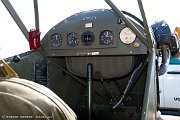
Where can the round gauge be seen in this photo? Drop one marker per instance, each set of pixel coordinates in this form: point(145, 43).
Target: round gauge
point(127, 36)
point(72, 39)
point(56, 40)
point(87, 38)
point(106, 37)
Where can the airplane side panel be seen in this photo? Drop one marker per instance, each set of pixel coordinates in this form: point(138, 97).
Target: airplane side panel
point(64, 85)
point(25, 67)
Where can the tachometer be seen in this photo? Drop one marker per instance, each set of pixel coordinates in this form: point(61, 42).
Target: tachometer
point(56, 40)
point(106, 37)
point(127, 36)
point(72, 39)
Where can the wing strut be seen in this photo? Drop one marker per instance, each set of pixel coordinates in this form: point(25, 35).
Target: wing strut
point(16, 18)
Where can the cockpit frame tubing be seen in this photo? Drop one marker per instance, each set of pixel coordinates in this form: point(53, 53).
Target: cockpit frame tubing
point(149, 109)
point(16, 18)
point(36, 14)
point(149, 37)
point(142, 38)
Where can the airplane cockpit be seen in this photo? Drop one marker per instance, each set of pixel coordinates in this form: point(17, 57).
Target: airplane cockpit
point(98, 41)
point(99, 37)
point(102, 63)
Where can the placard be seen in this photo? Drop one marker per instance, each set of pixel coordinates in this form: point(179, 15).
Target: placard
point(41, 73)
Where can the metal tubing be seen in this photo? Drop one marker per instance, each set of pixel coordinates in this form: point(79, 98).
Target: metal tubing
point(150, 39)
point(137, 76)
point(128, 23)
point(16, 18)
point(77, 79)
point(149, 103)
point(36, 14)
point(113, 97)
point(89, 79)
point(133, 80)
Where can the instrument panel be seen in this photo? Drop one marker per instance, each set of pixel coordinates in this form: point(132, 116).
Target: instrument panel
point(95, 32)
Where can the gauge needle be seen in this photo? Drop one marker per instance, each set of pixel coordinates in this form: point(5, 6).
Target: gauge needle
point(127, 38)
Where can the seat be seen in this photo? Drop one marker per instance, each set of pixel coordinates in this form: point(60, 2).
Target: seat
point(22, 97)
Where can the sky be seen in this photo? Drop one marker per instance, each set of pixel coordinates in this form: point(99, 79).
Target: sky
point(51, 12)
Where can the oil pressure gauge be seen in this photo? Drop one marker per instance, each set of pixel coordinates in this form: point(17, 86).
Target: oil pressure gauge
point(106, 37)
point(127, 36)
point(56, 40)
point(72, 39)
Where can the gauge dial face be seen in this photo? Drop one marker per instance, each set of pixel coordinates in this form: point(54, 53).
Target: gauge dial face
point(56, 40)
point(72, 39)
point(106, 37)
point(127, 36)
point(87, 38)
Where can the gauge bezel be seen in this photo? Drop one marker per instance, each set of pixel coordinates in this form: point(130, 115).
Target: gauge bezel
point(76, 38)
point(104, 42)
point(57, 41)
point(130, 36)
point(90, 35)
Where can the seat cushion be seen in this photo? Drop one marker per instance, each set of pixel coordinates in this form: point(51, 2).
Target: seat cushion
point(35, 96)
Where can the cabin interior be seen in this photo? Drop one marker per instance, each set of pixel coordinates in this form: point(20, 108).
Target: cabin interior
point(97, 62)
